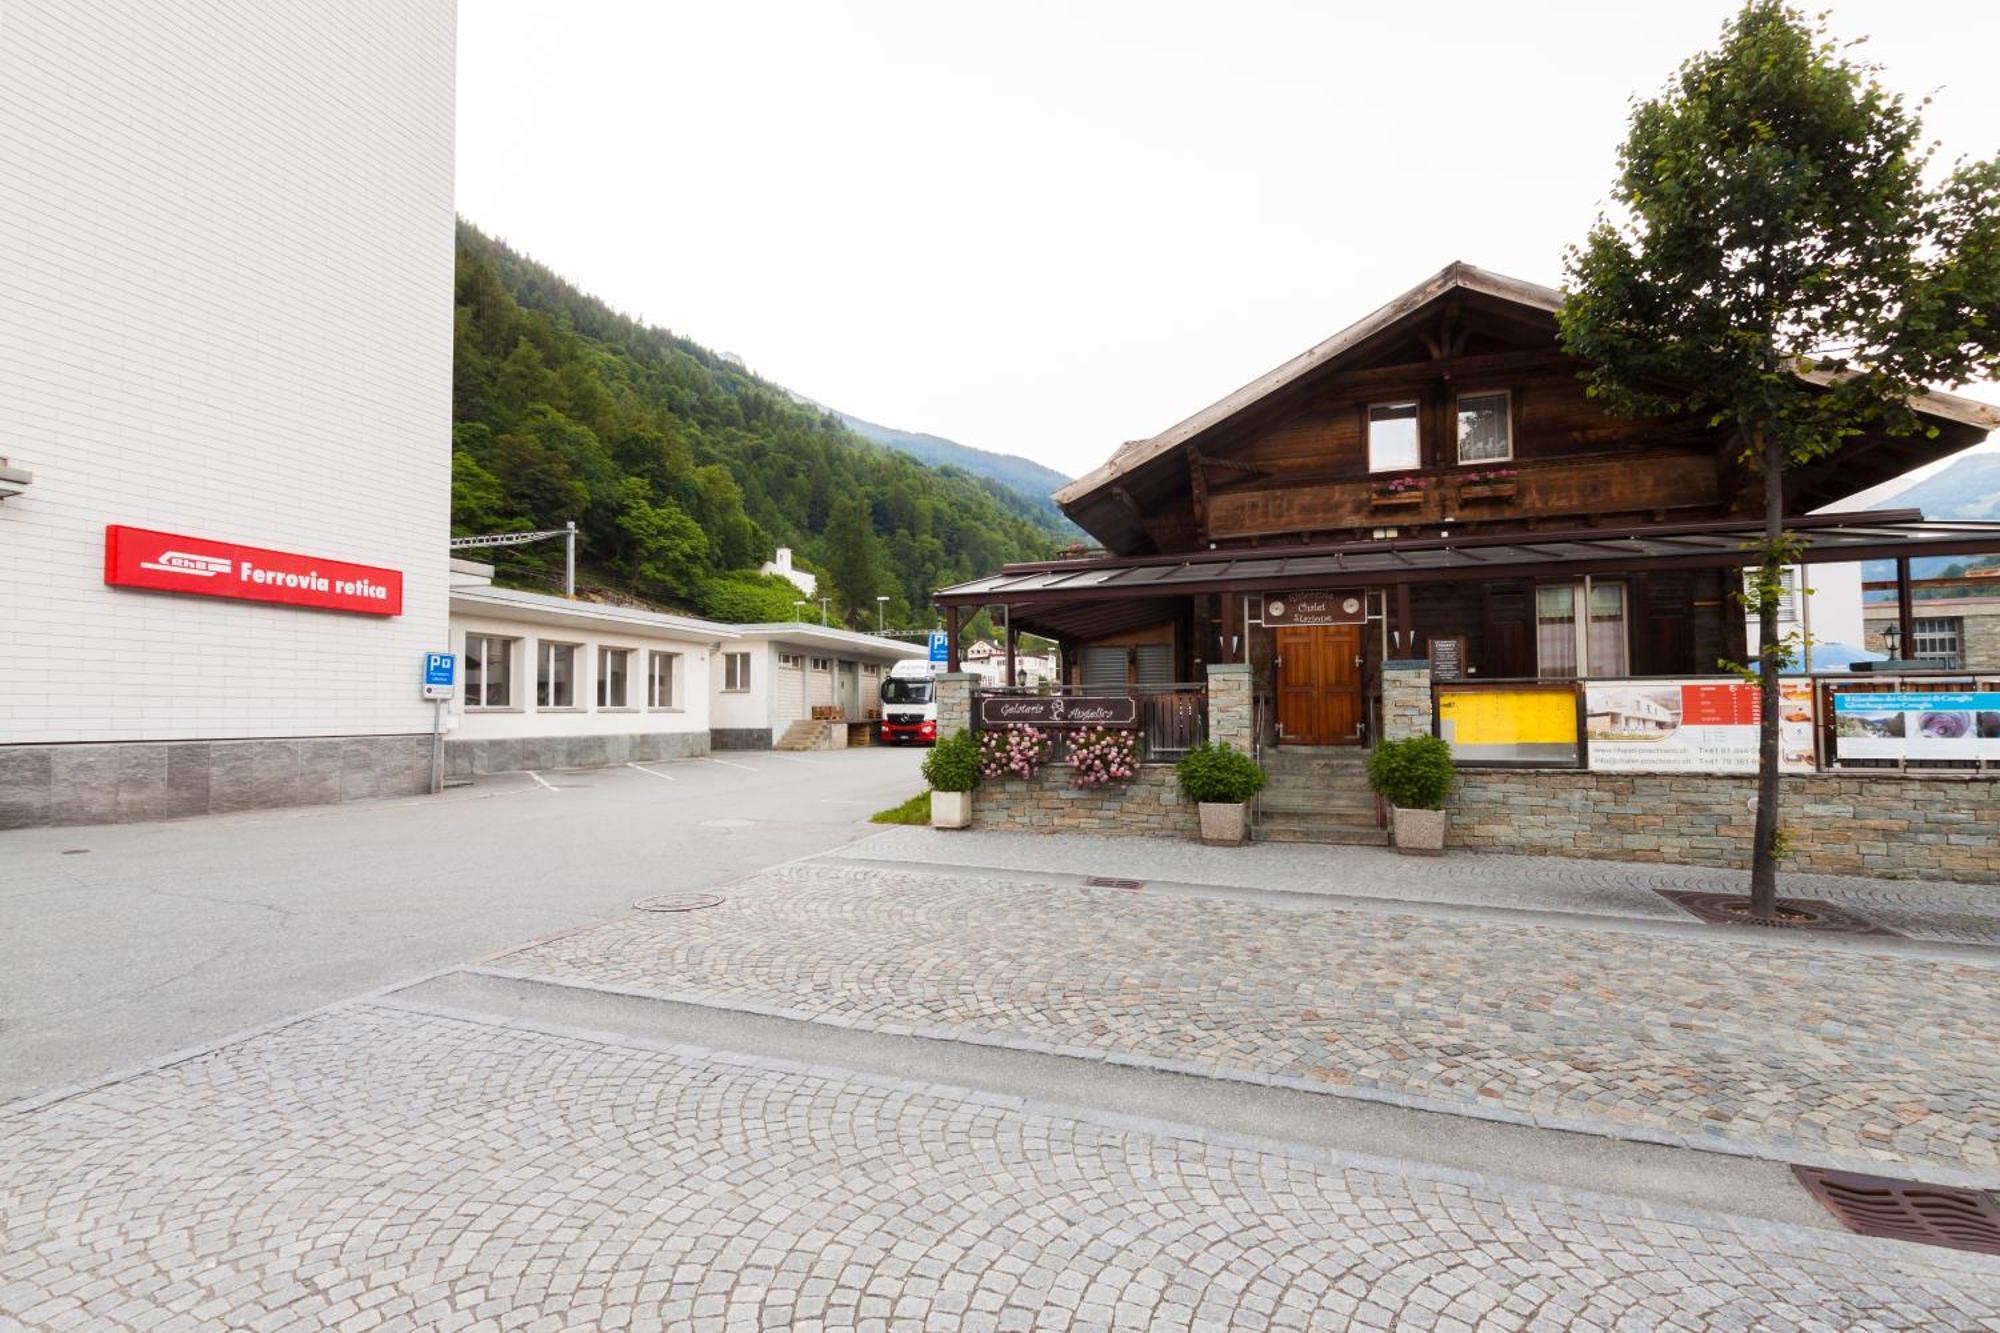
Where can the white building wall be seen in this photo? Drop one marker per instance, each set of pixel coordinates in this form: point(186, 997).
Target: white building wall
point(743, 709)
point(524, 718)
point(226, 242)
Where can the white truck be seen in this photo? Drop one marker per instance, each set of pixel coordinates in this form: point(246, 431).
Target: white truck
point(909, 704)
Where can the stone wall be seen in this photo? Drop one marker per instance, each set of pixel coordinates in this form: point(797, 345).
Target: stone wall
point(1840, 823)
point(511, 754)
point(1229, 712)
point(954, 702)
point(739, 738)
point(118, 782)
point(1148, 805)
point(1406, 699)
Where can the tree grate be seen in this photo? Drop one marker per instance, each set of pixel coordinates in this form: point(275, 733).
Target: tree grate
point(1960, 1219)
point(1109, 882)
point(1811, 914)
point(679, 902)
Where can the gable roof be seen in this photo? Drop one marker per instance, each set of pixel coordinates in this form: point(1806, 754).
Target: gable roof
point(1456, 276)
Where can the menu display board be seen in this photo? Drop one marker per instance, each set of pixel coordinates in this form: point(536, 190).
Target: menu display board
point(1524, 724)
point(1963, 725)
point(1448, 659)
point(1693, 726)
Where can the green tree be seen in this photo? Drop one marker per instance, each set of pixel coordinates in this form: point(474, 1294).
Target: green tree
point(748, 598)
point(1780, 266)
point(665, 550)
point(851, 556)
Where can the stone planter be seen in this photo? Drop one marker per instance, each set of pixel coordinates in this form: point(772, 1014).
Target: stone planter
point(1223, 825)
point(951, 809)
point(1417, 832)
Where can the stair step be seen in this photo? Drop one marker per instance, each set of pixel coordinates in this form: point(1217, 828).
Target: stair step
point(1359, 805)
point(1348, 835)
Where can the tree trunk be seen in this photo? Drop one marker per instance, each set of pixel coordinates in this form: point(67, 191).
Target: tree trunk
point(1770, 660)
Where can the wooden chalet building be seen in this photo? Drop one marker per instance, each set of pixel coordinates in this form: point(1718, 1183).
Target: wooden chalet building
point(1433, 482)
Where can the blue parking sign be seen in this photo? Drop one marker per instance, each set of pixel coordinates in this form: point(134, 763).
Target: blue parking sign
point(940, 646)
point(440, 674)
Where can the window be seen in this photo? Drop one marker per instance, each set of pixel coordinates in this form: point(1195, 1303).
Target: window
point(822, 664)
point(792, 660)
point(1484, 432)
point(871, 668)
point(1392, 437)
point(1937, 642)
point(1571, 640)
point(613, 666)
point(735, 671)
point(660, 680)
point(555, 675)
point(488, 675)
point(904, 690)
point(1788, 599)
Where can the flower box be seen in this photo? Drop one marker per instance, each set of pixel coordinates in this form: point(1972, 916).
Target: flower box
point(1490, 490)
point(1396, 499)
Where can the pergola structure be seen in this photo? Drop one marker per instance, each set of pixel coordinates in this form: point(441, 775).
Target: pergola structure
point(1087, 598)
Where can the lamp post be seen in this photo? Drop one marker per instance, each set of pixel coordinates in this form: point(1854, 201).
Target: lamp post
point(796, 604)
point(822, 609)
point(1892, 639)
point(881, 612)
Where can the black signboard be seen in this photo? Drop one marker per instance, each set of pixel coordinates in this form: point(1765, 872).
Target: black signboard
point(1315, 608)
point(1448, 659)
point(1056, 710)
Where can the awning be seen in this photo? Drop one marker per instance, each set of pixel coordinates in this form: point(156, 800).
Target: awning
point(1722, 544)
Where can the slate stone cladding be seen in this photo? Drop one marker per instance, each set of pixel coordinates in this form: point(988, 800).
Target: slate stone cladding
point(1840, 823)
point(513, 753)
point(1148, 805)
point(118, 782)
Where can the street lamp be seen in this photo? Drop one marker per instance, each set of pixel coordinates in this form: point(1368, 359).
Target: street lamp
point(1892, 639)
point(822, 609)
point(796, 604)
point(881, 612)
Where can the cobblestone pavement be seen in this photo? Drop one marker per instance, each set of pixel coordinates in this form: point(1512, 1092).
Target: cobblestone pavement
point(1800, 1054)
point(375, 1168)
point(1948, 912)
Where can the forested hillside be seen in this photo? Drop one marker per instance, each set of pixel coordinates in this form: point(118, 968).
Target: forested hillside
point(683, 471)
point(1023, 476)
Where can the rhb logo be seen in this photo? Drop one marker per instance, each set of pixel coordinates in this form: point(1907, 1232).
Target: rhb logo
point(186, 562)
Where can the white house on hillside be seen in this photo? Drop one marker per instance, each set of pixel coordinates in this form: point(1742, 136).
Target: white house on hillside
point(781, 565)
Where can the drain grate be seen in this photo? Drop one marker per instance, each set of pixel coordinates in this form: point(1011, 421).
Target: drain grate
point(679, 902)
point(1109, 882)
point(1814, 914)
point(1962, 1219)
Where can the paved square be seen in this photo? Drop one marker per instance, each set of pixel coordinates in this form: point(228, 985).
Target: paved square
point(1803, 1054)
point(377, 1168)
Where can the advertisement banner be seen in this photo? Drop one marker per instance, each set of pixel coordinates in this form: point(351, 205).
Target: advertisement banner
point(1521, 724)
point(167, 562)
point(1962, 725)
point(1692, 726)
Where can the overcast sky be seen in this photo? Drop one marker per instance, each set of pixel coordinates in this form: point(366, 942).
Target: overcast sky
point(1048, 228)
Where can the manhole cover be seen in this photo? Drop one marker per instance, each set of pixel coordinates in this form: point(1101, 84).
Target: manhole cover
point(1814, 914)
point(1108, 882)
point(1963, 1219)
point(727, 823)
point(679, 902)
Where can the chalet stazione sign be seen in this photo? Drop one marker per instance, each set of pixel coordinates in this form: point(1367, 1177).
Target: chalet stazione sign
point(1315, 608)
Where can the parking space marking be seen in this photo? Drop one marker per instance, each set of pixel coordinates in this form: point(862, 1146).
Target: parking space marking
point(726, 763)
point(550, 786)
point(654, 772)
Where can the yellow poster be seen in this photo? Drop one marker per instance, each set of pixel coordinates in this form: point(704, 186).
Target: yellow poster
point(1529, 723)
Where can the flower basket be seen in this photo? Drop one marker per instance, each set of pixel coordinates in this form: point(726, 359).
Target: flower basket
point(1013, 752)
point(1100, 755)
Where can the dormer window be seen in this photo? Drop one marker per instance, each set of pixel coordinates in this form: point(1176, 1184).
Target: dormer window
point(1485, 434)
point(1392, 437)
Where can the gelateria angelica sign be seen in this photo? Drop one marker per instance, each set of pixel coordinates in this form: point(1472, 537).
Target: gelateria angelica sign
point(169, 562)
point(1055, 710)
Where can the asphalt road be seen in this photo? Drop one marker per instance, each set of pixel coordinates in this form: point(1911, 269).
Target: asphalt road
point(123, 943)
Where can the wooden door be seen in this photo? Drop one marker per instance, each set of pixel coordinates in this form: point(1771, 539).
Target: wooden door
point(1319, 684)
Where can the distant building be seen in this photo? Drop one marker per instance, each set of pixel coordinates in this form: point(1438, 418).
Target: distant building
point(781, 565)
point(1952, 633)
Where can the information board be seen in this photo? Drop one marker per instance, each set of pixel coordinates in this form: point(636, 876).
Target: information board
point(1962, 725)
point(1693, 726)
point(1448, 659)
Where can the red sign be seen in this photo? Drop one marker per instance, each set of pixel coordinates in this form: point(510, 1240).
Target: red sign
point(166, 562)
point(1720, 706)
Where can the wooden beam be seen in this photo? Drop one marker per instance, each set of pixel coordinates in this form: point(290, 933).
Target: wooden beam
point(1906, 611)
point(951, 633)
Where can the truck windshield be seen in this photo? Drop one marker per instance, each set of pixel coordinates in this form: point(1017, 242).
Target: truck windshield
point(906, 691)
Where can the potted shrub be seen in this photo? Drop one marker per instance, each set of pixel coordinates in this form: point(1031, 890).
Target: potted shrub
point(1414, 775)
point(952, 769)
point(1220, 779)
